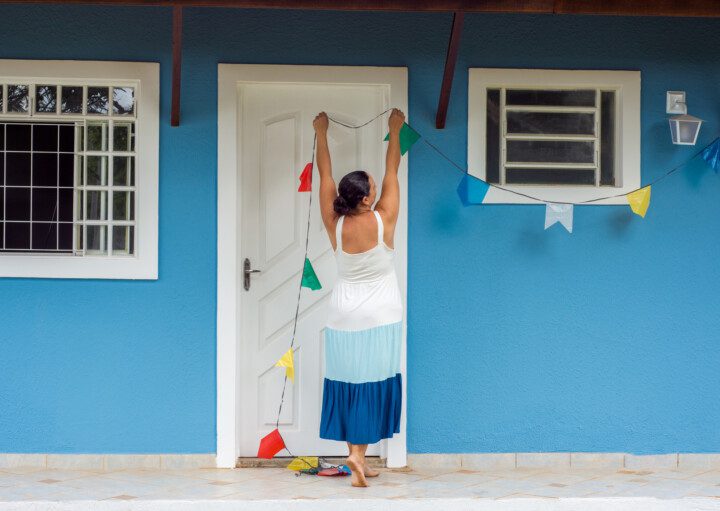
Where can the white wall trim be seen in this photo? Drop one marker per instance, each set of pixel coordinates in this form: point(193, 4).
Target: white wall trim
point(107, 462)
point(230, 77)
point(565, 461)
point(627, 138)
point(145, 76)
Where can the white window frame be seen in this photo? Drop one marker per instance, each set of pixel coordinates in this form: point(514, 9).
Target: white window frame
point(627, 134)
point(145, 78)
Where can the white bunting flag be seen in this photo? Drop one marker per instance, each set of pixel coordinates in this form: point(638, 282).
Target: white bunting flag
point(562, 213)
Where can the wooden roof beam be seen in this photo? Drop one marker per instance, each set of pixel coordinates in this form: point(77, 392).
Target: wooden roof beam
point(177, 65)
point(450, 60)
point(603, 7)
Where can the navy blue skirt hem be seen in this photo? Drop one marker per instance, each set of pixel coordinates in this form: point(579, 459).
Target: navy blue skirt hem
point(361, 413)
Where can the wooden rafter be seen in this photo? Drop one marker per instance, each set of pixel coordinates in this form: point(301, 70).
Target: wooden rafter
point(450, 60)
point(602, 7)
point(177, 65)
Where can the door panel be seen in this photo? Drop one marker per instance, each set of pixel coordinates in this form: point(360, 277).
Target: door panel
point(276, 138)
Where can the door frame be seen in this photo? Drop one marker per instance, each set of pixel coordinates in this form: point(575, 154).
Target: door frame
point(231, 78)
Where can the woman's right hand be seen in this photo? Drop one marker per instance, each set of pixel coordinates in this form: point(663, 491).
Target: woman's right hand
point(321, 123)
point(396, 120)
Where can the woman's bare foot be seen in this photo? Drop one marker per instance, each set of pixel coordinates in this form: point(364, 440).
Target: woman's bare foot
point(358, 475)
point(369, 472)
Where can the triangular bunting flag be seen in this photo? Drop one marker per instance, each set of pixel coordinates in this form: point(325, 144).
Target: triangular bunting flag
point(270, 445)
point(639, 201)
point(408, 137)
point(309, 278)
point(711, 155)
point(303, 462)
point(287, 362)
point(472, 190)
point(562, 213)
point(306, 179)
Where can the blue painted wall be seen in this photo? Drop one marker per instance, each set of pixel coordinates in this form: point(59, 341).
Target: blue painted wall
point(519, 339)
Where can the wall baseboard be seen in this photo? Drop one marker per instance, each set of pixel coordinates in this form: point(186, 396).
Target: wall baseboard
point(108, 461)
point(450, 461)
point(566, 460)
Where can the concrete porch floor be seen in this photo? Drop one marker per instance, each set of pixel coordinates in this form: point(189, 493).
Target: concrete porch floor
point(419, 490)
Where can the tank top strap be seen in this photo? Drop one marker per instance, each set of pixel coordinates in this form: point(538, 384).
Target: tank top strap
point(338, 233)
point(381, 228)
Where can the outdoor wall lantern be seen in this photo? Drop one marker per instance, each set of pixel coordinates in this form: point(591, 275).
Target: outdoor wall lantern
point(684, 128)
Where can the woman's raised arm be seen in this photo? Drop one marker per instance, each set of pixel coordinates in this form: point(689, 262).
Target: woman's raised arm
point(328, 189)
point(389, 203)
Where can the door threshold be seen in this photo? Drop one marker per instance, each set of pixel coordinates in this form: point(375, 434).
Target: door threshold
point(282, 462)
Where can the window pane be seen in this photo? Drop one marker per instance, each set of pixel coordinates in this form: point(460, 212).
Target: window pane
point(123, 171)
point(123, 205)
point(18, 137)
point(18, 98)
point(65, 205)
point(96, 238)
point(2, 135)
point(550, 176)
point(45, 98)
point(607, 139)
point(556, 123)
point(79, 174)
point(123, 100)
point(17, 169)
point(66, 170)
point(45, 137)
point(96, 205)
point(123, 137)
point(492, 138)
point(65, 236)
point(44, 236)
point(44, 204)
point(96, 171)
point(580, 97)
point(97, 136)
point(17, 204)
point(45, 169)
point(97, 101)
point(67, 138)
point(17, 235)
point(123, 239)
point(79, 238)
point(550, 151)
point(72, 97)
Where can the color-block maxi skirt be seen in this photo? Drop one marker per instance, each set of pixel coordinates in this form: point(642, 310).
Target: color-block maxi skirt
point(362, 389)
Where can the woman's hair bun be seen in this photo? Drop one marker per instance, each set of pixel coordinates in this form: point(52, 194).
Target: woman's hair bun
point(353, 188)
point(341, 206)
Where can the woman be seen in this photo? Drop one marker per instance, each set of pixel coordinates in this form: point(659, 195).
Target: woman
point(362, 389)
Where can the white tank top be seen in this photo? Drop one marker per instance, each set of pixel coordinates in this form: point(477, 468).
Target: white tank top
point(368, 266)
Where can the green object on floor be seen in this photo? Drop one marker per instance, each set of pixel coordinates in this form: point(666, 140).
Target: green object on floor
point(309, 278)
point(408, 137)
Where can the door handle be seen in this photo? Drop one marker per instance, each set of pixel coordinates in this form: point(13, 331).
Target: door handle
point(247, 271)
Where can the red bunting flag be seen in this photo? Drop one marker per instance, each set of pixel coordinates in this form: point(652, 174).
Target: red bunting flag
point(306, 178)
point(270, 445)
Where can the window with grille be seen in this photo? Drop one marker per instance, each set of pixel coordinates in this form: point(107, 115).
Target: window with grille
point(74, 173)
point(68, 186)
point(562, 136)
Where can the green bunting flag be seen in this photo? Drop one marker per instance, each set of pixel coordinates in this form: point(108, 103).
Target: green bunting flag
point(309, 278)
point(408, 137)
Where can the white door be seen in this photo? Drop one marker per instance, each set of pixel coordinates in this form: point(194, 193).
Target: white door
point(276, 138)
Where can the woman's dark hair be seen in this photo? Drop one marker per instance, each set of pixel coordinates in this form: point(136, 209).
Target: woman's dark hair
point(351, 190)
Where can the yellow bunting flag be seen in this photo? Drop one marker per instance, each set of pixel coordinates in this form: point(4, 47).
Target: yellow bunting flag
point(639, 201)
point(303, 462)
point(287, 362)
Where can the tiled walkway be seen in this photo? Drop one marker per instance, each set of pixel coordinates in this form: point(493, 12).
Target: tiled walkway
point(272, 488)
